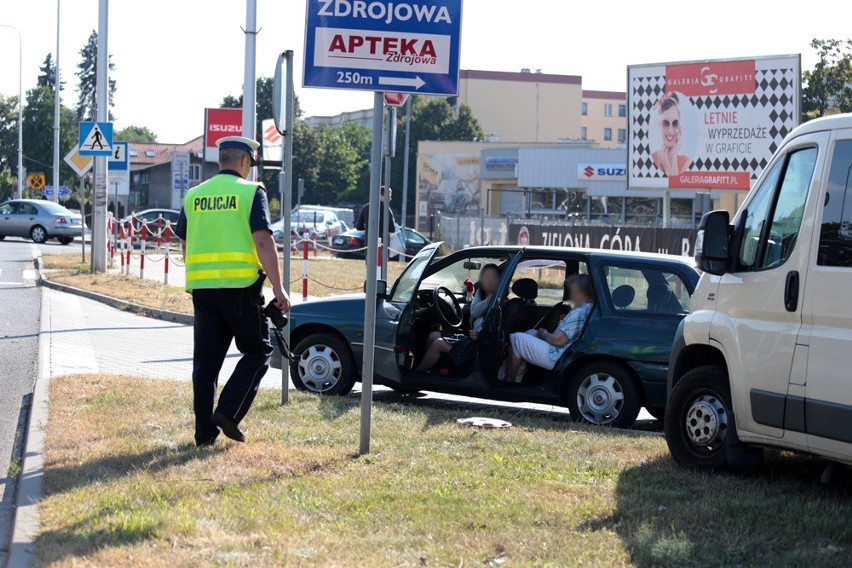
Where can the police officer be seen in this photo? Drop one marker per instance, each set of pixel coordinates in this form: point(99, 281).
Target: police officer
point(227, 243)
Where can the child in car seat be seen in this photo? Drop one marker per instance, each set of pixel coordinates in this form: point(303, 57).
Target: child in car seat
point(542, 348)
point(460, 347)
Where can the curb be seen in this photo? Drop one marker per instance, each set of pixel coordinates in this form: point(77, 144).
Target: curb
point(26, 521)
point(165, 315)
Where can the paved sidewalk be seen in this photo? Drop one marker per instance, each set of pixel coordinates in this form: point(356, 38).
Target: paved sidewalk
point(89, 337)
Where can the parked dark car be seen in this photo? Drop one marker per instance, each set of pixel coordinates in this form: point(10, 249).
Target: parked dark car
point(38, 220)
point(351, 244)
point(617, 365)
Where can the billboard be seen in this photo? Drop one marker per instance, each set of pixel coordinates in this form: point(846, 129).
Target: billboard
point(218, 123)
point(447, 183)
point(709, 124)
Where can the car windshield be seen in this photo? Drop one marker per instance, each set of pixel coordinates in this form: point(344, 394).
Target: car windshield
point(54, 208)
point(406, 285)
point(454, 275)
point(308, 217)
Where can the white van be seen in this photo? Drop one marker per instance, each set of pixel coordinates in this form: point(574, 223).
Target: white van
point(765, 356)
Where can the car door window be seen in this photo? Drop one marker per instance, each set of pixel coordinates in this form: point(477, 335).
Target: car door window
point(774, 216)
point(7, 209)
point(454, 275)
point(27, 209)
point(548, 274)
point(835, 240)
point(414, 238)
point(646, 290)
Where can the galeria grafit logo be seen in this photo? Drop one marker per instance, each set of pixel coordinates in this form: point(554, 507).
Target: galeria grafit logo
point(709, 79)
point(589, 171)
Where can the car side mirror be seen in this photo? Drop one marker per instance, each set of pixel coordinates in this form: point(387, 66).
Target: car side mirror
point(712, 243)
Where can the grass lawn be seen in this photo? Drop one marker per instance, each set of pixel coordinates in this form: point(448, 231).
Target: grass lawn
point(331, 276)
point(125, 487)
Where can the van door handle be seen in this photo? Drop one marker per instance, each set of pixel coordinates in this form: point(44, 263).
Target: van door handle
point(791, 291)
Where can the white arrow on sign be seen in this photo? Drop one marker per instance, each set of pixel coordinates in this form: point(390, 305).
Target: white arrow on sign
point(417, 82)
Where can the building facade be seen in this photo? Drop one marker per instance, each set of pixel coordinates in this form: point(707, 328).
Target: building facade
point(603, 118)
point(152, 181)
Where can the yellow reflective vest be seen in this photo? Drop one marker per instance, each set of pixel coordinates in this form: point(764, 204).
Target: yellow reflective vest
point(220, 249)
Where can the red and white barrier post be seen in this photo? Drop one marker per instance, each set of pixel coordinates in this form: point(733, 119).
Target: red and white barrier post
point(159, 230)
point(168, 247)
point(111, 244)
point(314, 239)
point(379, 261)
point(121, 246)
point(305, 271)
point(142, 249)
point(130, 245)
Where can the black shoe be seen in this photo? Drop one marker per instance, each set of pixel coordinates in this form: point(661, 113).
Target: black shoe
point(209, 443)
point(228, 426)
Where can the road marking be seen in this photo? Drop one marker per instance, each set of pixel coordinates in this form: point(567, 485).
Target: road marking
point(28, 274)
point(11, 283)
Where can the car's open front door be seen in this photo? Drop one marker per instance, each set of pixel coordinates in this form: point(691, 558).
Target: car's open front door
point(492, 338)
point(395, 317)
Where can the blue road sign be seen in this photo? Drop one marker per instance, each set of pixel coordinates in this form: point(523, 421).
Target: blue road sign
point(95, 138)
point(119, 161)
point(384, 45)
point(64, 191)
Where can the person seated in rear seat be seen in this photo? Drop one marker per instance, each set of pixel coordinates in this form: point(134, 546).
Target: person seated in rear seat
point(461, 347)
point(542, 348)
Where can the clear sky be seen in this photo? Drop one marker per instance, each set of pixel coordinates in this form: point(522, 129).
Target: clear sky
point(175, 57)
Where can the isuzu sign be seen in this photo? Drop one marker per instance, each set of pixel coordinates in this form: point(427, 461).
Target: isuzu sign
point(218, 123)
point(407, 46)
point(709, 124)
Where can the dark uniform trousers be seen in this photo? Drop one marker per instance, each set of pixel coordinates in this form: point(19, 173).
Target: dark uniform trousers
point(222, 315)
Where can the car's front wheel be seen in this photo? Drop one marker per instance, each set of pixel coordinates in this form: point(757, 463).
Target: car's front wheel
point(323, 364)
point(698, 418)
point(604, 393)
point(38, 234)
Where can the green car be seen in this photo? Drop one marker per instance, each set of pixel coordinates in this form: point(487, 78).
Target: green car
point(617, 365)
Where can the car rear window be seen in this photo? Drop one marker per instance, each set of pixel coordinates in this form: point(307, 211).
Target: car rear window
point(646, 290)
point(53, 208)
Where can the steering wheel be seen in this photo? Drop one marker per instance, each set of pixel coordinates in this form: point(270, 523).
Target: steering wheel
point(448, 306)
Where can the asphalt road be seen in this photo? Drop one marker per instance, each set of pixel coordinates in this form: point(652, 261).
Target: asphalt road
point(20, 303)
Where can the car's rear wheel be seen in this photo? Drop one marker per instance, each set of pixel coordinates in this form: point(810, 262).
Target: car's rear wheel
point(38, 234)
point(698, 418)
point(323, 364)
point(65, 240)
point(604, 393)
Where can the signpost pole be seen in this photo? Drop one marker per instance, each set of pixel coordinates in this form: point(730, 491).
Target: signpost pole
point(249, 85)
point(405, 164)
point(386, 205)
point(370, 289)
point(56, 114)
point(99, 191)
point(285, 181)
point(83, 218)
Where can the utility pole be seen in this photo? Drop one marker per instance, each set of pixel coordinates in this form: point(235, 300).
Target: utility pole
point(56, 108)
point(99, 191)
point(286, 191)
point(249, 80)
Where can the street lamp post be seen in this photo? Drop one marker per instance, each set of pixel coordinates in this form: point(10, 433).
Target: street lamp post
point(56, 109)
point(20, 191)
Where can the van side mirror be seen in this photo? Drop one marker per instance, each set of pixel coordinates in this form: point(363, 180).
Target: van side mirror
point(712, 244)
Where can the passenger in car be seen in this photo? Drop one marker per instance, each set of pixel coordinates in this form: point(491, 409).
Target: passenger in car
point(461, 347)
point(542, 348)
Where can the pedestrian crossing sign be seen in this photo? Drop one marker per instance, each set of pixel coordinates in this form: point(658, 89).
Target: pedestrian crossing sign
point(95, 138)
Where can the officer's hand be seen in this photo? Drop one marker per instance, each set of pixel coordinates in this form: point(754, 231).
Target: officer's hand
point(282, 300)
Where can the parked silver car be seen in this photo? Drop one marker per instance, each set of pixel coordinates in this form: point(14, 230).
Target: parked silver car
point(38, 220)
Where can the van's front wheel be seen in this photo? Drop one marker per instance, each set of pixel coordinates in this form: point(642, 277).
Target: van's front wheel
point(698, 417)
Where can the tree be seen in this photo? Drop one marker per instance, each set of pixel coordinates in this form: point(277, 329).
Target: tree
point(829, 84)
point(134, 133)
point(9, 134)
point(38, 133)
point(87, 73)
point(47, 74)
point(431, 119)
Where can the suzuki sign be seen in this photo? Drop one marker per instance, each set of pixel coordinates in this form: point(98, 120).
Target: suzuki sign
point(601, 172)
point(218, 123)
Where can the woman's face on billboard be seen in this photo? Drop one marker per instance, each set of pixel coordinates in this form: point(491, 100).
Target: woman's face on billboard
point(670, 122)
